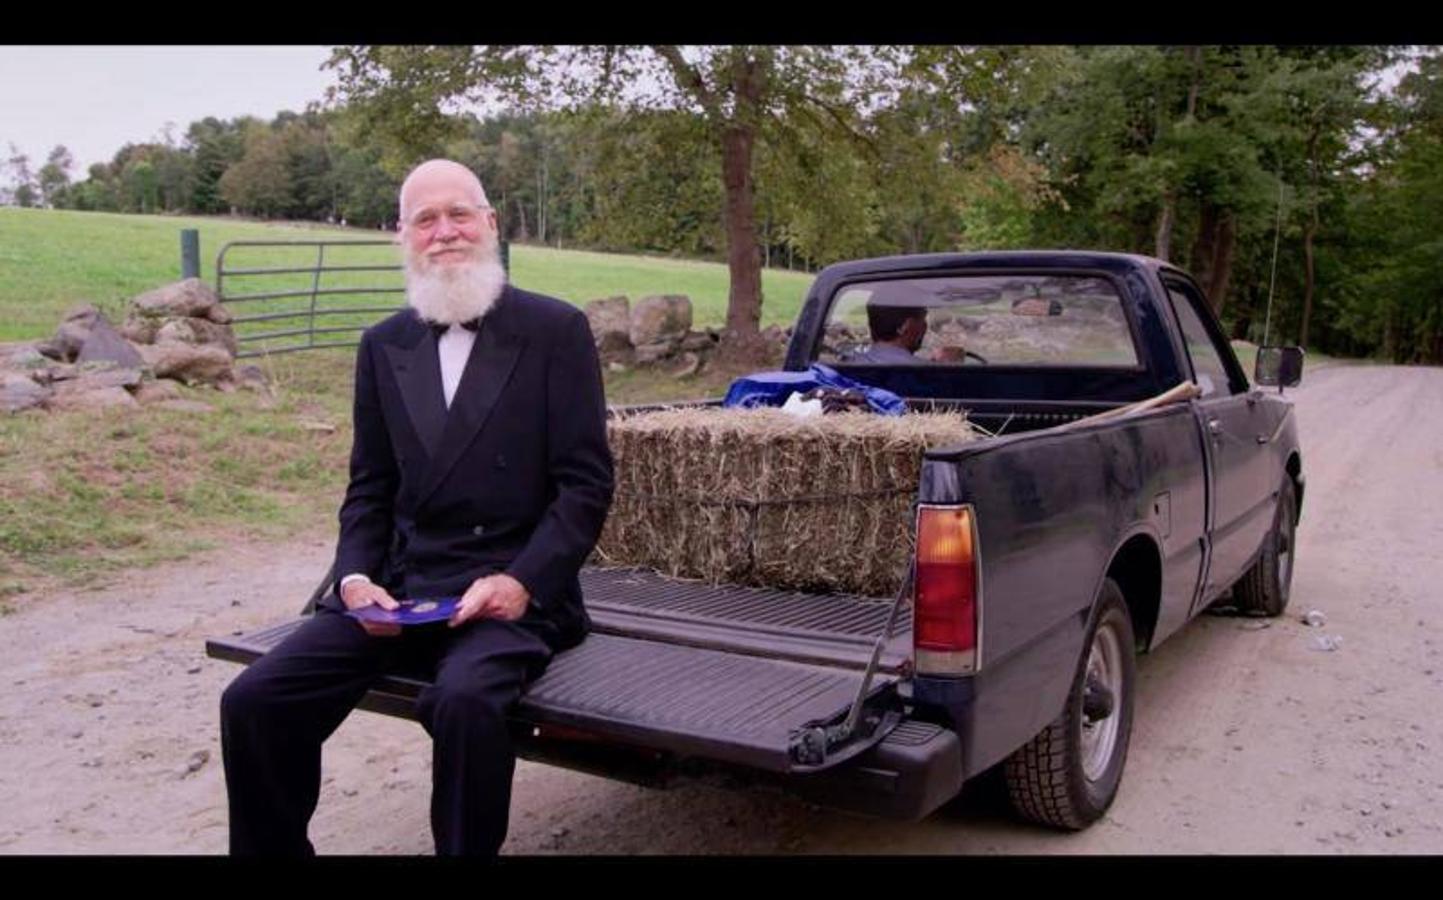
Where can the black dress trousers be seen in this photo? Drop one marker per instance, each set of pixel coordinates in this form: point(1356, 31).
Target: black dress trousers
point(277, 713)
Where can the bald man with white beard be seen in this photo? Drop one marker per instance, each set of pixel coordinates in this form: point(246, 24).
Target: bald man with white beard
point(479, 469)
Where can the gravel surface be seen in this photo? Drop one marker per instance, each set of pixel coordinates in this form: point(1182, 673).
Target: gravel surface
point(1249, 737)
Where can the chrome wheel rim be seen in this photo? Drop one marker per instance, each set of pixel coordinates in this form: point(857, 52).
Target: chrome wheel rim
point(1099, 736)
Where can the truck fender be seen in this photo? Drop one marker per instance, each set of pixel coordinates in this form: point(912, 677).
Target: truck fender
point(1135, 563)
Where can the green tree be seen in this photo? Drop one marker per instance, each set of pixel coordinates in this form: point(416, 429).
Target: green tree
point(140, 186)
point(1392, 302)
point(23, 191)
point(215, 146)
point(732, 90)
point(260, 183)
point(54, 176)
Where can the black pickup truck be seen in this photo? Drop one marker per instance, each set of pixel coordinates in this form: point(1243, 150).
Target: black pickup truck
point(1090, 525)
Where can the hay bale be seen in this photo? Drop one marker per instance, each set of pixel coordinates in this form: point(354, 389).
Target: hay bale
point(760, 497)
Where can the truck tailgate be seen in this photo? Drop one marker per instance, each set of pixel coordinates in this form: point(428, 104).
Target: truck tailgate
point(729, 673)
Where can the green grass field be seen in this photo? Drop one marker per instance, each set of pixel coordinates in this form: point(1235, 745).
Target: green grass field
point(53, 259)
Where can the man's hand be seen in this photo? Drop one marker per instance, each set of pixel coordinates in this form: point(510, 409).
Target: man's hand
point(365, 593)
point(492, 597)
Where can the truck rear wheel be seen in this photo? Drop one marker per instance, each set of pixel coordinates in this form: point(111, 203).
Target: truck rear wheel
point(1068, 775)
point(1264, 588)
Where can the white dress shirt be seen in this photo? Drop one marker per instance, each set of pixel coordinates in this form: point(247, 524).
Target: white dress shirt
point(454, 348)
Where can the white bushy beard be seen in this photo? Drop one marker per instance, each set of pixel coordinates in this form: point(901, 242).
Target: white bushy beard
point(453, 293)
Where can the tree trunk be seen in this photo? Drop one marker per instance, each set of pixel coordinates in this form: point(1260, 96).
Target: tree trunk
point(521, 212)
point(1194, 56)
point(1162, 242)
point(1222, 267)
point(744, 299)
point(1308, 233)
point(541, 203)
point(1204, 248)
point(1162, 246)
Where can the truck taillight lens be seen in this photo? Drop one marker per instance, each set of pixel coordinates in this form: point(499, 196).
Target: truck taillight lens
point(945, 611)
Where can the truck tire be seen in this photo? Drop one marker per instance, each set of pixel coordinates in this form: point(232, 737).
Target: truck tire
point(1067, 776)
point(1264, 588)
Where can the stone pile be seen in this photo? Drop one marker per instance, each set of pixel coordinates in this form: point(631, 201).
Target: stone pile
point(657, 332)
point(177, 333)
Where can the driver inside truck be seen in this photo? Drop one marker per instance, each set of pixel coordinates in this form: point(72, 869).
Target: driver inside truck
point(897, 333)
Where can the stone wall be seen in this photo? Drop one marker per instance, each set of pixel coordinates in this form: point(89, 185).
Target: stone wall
point(176, 333)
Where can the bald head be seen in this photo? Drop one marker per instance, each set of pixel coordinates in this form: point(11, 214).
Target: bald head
point(440, 177)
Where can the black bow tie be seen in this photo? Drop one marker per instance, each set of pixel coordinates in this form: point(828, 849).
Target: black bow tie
point(469, 325)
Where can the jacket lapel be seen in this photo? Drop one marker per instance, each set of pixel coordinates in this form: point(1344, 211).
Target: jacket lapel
point(418, 373)
point(488, 368)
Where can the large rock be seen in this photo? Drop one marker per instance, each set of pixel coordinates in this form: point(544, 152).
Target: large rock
point(252, 378)
point(685, 365)
point(106, 345)
point(698, 342)
point(158, 391)
point(22, 356)
point(196, 331)
point(97, 376)
point(51, 349)
point(610, 321)
point(72, 334)
point(19, 392)
point(141, 329)
point(654, 352)
point(663, 317)
point(55, 373)
point(191, 363)
point(101, 398)
point(191, 297)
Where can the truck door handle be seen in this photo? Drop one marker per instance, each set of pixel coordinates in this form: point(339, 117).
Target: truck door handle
point(1262, 439)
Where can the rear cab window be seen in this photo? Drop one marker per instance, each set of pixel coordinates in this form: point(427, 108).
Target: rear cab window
point(980, 320)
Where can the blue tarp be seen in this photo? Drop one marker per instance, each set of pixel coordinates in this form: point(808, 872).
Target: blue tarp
point(773, 389)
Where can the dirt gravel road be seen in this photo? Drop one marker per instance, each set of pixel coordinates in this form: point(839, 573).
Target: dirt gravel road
point(1248, 738)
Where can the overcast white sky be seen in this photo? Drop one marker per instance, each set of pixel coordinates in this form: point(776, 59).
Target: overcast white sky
point(96, 99)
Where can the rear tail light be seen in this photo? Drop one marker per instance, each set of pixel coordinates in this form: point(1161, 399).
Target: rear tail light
point(946, 611)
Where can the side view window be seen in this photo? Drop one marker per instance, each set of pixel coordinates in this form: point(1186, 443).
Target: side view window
point(1212, 376)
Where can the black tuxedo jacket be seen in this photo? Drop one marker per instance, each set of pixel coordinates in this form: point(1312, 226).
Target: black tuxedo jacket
point(515, 477)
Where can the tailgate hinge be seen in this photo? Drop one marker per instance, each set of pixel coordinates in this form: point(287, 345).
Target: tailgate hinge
point(813, 745)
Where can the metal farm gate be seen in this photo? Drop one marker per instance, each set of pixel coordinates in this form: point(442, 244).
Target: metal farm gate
point(300, 304)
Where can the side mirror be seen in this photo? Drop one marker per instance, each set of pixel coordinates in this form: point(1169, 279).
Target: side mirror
point(1279, 366)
